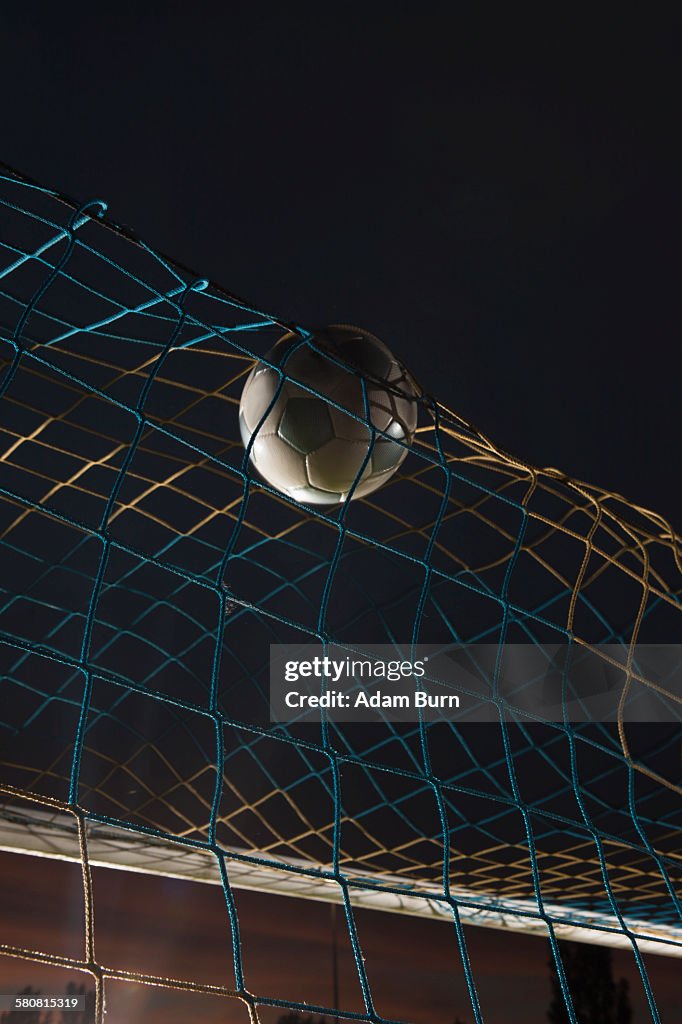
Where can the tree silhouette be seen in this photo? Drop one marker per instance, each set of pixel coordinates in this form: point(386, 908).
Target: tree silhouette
point(597, 998)
point(85, 1016)
point(38, 1016)
point(298, 1018)
point(623, 1004)
point(25, 1016)
point(294, 1017)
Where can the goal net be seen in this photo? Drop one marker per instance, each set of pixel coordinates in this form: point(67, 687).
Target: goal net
point(146, 571)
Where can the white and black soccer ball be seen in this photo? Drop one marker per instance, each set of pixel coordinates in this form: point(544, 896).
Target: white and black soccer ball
point(307, 446)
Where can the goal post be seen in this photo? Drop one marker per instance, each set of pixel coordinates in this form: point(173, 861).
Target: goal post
point(42, 834)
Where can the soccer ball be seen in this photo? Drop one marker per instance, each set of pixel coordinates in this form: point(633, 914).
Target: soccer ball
point(307, 446)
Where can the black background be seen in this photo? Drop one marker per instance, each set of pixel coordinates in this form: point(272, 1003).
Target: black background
point(496, 198)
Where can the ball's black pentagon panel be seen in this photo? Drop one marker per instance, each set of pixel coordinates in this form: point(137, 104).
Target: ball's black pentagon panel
point(386, 455)
point(306, 424)
point(336, 466)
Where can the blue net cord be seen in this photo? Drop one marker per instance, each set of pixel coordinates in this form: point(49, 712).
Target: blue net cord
point(147, 569)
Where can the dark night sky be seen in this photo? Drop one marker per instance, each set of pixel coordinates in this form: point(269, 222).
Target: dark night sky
point(499, 201)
